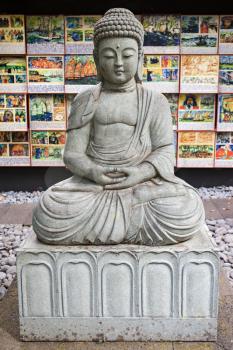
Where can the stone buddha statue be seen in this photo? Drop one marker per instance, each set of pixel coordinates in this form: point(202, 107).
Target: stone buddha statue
point(120, 150)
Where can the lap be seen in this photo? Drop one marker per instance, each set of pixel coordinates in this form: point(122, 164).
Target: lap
point(164, 191)
point(166, 196)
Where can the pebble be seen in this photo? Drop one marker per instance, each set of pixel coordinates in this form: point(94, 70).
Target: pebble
point(228, 238)
point(211, 227)
point(10, 278)
point(7, 284)
point(227, 264)
point(2, 275)
point(221, 231)
point(221, 222)
point(4, 268)
point(223, 257)
point(218, 240)
point(229, 222)
point(211, 222)
point(11, 270)
point(4, 252)
point(2, 292)
point(11, 260)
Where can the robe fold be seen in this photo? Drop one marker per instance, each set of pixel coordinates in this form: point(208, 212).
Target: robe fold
point(164, 210)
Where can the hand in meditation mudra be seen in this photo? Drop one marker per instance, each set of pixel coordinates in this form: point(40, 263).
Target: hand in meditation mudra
point(120, 149)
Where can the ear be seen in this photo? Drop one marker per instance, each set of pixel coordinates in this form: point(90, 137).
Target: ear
point(139, 72)
point(96, 59)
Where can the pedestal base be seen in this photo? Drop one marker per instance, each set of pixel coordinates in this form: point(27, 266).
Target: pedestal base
point(118, 293)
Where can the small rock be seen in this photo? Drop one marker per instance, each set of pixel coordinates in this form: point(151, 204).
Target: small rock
point(15, 245)
point(211, 228)
point(221, 231)
point(228, 238)
point(11, 260)
point(223, 257)
point(229, 221)
point(218, 239)
point(9, 277)
point(226, 264)
point(2, 197)
point(4, 267)
point(7, 284)
point(11, 270)
point(2, 275)
point(2, 292)
point(4, 253)
point(17, 233)
point(218, 249)
point(221, 221)
point(211, 222)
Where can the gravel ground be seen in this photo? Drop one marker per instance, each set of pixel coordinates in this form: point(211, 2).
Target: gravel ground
point(11, 237)
point(216, 192)
point(221, 233)
point(21, 197)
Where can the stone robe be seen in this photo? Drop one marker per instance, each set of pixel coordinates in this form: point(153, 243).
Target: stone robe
point(164, 210)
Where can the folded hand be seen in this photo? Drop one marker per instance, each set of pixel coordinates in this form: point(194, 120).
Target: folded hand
point(133, 176)
point(105, 175)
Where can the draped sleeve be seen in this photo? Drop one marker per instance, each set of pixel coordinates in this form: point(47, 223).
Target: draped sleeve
point(162, 156)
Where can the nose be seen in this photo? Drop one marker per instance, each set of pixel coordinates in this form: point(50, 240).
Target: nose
point(118, 62)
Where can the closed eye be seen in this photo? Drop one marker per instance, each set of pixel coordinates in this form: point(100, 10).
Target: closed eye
point(128, 52)
point(127, 55)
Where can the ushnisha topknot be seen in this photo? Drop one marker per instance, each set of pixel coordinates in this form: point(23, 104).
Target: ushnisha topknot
point(119, 22)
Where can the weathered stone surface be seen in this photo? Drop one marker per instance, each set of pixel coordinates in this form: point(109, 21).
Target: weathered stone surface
point(121, 292)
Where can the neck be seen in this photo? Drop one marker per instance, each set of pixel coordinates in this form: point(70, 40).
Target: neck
point(124, 87)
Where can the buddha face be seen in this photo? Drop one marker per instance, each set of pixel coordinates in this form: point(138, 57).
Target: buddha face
point(118, 59)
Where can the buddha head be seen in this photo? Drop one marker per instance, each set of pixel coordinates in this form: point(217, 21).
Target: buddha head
point(118, 47)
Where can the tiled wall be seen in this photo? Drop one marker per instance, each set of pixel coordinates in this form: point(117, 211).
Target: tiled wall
point(45, 60)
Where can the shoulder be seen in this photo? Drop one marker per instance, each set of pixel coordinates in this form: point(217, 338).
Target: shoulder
point(158, 97)
point(160, 111)
point(79, 103)
point(84, 96)
point(82, 107)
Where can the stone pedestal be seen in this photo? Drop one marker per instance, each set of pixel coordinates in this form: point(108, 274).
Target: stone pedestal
point(118, 293)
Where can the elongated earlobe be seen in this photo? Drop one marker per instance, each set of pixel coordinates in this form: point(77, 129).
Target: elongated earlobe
point(139, 73)
point(96, 58)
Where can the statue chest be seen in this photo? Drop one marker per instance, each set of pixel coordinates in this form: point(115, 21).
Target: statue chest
point(117, 108)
